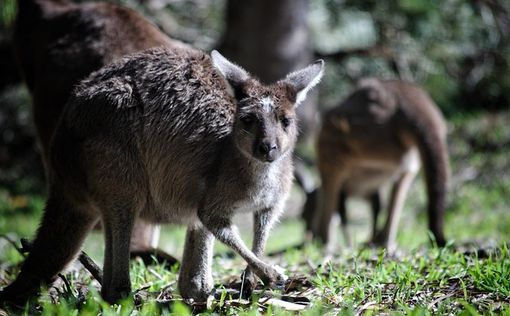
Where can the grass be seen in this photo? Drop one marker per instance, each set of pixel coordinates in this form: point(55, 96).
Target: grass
point(471, 276)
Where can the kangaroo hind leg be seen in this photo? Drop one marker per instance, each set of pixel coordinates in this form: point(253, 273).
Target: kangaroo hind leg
point(118, 222)
point(399, 192)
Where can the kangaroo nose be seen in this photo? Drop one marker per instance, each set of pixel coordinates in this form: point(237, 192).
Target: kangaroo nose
point(266, 147)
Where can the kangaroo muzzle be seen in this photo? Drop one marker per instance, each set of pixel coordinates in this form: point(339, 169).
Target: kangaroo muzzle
point(266, 151)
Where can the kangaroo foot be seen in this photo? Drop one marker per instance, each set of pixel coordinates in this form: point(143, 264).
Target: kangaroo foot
point(198, 288)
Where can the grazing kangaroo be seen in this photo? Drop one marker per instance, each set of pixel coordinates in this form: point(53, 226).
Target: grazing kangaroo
point(58, 43)
point(170, 136)
point(379, 135)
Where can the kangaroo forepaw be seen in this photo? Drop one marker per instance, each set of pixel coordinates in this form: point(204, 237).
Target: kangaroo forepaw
point(273, 277)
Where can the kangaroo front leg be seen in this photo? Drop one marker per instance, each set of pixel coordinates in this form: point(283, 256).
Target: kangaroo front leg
point(262, 224)
point(224, 231)
point(195, 278)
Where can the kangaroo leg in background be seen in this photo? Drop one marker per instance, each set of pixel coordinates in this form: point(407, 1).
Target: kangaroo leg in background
point(195, 276)
point(344, 222)
point(262, 223)
point(144, 243)
point(399, 192)
point(303, 176)
point(375, 204)
point(305, 181)
point(59, 238)
point(309, 213)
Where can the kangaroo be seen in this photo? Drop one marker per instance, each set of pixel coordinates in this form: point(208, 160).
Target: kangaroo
point(169, 136)
point(381, 134)
point(58, 43)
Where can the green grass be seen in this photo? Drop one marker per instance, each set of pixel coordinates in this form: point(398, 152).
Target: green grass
point(430, 281)
point(471, 276)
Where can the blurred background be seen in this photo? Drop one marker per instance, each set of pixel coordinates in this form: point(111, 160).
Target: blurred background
point(458, 50)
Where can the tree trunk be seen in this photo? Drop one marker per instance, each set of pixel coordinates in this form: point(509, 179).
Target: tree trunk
point(270, 39)
point(9, 74)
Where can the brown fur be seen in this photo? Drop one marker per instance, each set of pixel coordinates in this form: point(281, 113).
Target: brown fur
point(158, 135)
point(58, 43)
point(375, 137)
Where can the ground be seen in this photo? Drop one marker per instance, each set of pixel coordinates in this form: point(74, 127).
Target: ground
point(470, 276)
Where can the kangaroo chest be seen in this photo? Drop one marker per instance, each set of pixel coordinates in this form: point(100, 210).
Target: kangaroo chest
point(260, 194)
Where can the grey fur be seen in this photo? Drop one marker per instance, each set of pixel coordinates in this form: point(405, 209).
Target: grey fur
point(158, 135)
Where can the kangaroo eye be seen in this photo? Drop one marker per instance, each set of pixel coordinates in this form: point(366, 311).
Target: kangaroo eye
point(285, 121)
point(247, 120)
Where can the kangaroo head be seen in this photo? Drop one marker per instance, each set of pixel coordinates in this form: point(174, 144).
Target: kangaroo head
point(266, 125)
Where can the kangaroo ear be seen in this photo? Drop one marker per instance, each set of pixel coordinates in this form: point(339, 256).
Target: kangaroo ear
point(234, 74)
point(305, 79)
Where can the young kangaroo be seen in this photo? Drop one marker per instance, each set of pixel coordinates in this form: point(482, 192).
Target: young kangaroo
point(169, 136)
point(59, 43)
point(379, 135)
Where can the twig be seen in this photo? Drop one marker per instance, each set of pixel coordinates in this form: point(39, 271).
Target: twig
point(243, 276)
point(83, 258)
point(439, 299)
point(157, 275)
point(91, 266)
point(365, 306)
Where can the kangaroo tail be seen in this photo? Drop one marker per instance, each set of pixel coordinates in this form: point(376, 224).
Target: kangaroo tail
point(429, 129)
point(58, 240)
